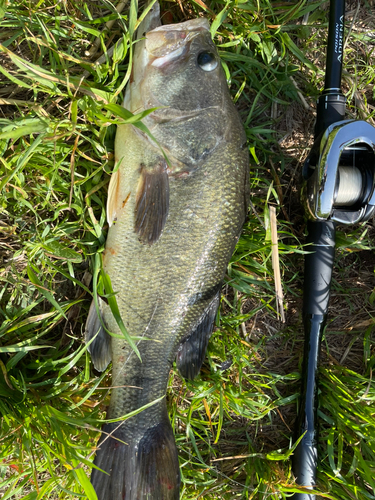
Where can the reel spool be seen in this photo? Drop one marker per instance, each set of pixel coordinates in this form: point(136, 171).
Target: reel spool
point(339, 174)
point(348, 190)
point(354, 175)
point(349, 184)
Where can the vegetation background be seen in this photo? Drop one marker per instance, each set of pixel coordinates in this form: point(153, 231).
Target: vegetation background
point(61, 66)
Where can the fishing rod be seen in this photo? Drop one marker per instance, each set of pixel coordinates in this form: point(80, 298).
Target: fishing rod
point(338, 187)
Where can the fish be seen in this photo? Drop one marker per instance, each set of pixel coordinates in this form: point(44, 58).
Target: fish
point(176, 206)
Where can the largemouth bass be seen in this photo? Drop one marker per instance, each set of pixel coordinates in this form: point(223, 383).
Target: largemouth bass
point(173, 227)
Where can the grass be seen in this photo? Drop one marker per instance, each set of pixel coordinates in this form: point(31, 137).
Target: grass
point(234, 423)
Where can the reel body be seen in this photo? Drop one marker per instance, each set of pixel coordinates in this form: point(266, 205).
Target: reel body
point(339, 174)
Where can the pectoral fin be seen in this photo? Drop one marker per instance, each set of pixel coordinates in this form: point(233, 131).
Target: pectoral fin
point(100, 347)
point(152, 203)
point(192, 351)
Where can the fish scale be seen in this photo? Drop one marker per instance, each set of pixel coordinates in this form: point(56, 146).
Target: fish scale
point(175, 267)
point(174, 226)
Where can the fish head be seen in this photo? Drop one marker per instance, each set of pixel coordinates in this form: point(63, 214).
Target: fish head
point(177, 69)
point(177, 66)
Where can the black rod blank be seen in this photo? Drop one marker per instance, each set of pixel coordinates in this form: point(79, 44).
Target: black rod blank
point(335, 46)
point(331, 103)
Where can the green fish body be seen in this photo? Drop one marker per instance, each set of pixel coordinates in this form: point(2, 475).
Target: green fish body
point(173, 227)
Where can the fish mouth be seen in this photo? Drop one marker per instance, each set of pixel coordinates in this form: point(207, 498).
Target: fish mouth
point(161, 46)
point(166, 43)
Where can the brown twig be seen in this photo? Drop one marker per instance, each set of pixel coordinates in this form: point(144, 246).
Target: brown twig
point(276, 265)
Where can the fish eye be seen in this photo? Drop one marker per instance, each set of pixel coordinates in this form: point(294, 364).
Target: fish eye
point(207, 61)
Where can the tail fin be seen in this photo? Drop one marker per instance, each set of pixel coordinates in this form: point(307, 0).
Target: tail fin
point(144, 468)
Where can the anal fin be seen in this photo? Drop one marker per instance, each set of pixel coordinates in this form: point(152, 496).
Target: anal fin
point(192, 351)
point(100, 347)
point(152, 203)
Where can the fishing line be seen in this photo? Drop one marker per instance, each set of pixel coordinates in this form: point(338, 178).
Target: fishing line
point(349, 187)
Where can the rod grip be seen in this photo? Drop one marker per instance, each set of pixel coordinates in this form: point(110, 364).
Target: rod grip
point(304, 467)
point(305, 457)
point(317, 283)
point(318, 266)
